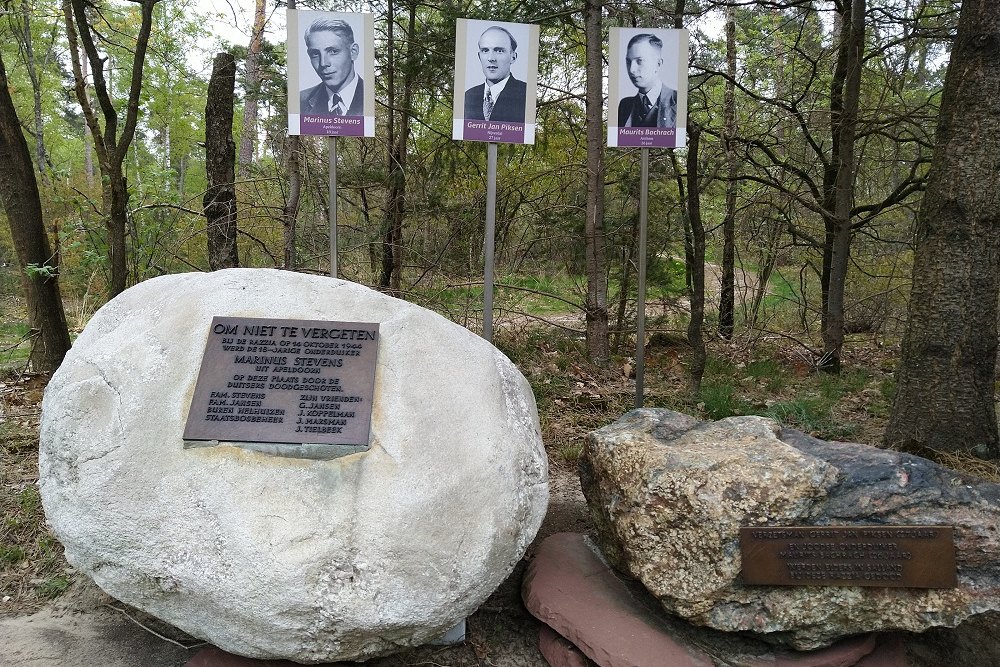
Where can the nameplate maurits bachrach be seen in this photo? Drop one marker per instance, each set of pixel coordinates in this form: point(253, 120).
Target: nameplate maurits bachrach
point(288, 387)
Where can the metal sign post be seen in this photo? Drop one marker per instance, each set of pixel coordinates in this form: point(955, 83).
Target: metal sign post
point(640, 307)
point(491, 214)
point(333, 206)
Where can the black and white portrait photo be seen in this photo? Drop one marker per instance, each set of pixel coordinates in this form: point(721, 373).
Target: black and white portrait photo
point(332, 80)
point(496, 66)
point(648, 87)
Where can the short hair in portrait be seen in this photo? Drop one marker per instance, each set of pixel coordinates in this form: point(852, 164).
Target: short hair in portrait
point(332, 52)
point(654, 103)
point(501, 96)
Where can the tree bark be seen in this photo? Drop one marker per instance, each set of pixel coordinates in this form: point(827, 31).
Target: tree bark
point(110, 144)
point(220, 164)
point(248, 137)
point(399, 136)
point(840, 191)
point(596, 303)
point(945, 380)
point(23, 206)
point(695, 337)
point(727, 294)
point(41, 154)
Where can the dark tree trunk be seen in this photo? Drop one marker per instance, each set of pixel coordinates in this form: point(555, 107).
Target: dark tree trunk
point(23, 207)
point(596, 304)
point(945, 380)
point(392, 253)
point(111, 141)
point(290, 212)
point(695, 337)
point(248, 137)
point(727, 294)
point(840, 193)
point(220, 164)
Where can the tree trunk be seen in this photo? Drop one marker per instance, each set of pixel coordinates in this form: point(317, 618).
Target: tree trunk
point(727, 295)
point(290, 212)
point(695, 337)
point(596, 304)
point(839, 198)
point(220, 164)
point(112, 141)
point(23, 206)
point(945, 380)
point(248, 137)
point(399, 136)
point(41, 154)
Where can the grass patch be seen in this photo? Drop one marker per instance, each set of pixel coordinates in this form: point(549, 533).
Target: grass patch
point(15, 346)
point(718, 401)
point(773, 374)
point(54, 587)
point(32, 567)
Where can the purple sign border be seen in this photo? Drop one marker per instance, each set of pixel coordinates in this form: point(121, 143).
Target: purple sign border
point(648, 137)
point(505, 132)
point(332, 126)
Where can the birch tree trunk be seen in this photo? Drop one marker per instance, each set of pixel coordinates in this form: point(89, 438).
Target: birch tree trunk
point(596, 303)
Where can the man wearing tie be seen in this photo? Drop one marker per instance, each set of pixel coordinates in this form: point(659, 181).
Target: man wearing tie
point(501, 97)
point(655, 104)
point(332, 52)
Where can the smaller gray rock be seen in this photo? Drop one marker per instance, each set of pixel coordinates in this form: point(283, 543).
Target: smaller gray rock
point(669, 494)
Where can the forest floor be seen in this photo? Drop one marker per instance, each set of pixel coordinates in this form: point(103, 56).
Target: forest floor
point(42, 599)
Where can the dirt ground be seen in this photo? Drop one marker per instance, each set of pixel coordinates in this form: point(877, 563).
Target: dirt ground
point(82, 626)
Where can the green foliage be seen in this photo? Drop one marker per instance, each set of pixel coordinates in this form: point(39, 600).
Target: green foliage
point(11, 555)
point(718, 400)
point(36, 271)
point(774, 375)
point(812, 415)
point(54, 587)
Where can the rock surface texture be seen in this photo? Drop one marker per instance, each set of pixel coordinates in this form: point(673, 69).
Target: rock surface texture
point(668, 495)
point(595, 617)
point(274, 557)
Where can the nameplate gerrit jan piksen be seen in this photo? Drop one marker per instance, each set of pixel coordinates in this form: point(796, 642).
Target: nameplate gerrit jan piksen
point(285, 381)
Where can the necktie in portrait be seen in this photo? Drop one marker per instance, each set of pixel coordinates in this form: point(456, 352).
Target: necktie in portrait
point(335, 105)
point(488, 104)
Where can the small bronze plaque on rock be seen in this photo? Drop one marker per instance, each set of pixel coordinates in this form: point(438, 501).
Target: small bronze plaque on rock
point(897, 556)
point(285, 381)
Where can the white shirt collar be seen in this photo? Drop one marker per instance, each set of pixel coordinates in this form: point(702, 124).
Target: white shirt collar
point(346, 93)
point(654, 93)
point(495, 88)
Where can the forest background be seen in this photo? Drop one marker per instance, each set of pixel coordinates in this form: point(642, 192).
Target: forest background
point(811, 128)
point(828, 156)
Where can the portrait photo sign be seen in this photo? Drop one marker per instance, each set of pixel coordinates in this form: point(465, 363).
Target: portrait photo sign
point(331, 73)
point(647, 87)
point(496, 80)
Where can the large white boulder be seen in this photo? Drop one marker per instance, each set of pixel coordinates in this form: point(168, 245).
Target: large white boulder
point(275, 557)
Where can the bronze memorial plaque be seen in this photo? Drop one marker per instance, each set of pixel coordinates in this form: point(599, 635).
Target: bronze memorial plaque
point(285, 381)
point(899, 556)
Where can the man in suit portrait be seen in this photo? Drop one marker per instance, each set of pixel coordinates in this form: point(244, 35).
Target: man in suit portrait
point(655, 104)
point(501, 97)
point(332, 52)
